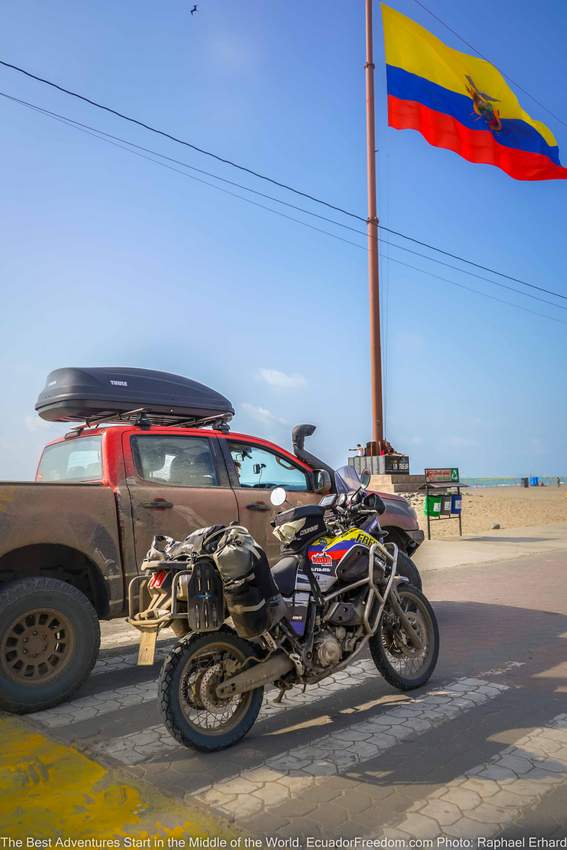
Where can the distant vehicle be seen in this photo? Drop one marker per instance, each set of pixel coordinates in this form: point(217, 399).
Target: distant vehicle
point(71, 542)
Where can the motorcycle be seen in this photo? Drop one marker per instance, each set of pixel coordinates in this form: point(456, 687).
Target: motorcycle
point(335, 591)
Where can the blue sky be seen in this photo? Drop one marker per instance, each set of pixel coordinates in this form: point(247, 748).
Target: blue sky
point(106, 258)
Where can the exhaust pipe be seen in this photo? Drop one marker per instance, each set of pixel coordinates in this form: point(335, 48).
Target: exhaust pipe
point(259, 674)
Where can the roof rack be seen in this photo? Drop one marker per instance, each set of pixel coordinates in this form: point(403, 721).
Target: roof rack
point(143, 418)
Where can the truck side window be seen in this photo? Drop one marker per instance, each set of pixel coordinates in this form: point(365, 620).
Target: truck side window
point(180, 461)
point(263, 469)
point(77, 459)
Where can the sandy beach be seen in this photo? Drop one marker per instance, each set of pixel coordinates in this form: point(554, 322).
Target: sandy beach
point(509, 507)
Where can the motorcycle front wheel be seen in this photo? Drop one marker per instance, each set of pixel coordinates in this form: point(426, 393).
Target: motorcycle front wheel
point(192, 712)
point(402, 665)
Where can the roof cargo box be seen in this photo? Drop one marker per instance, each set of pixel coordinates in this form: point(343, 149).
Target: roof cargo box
point(115, 394)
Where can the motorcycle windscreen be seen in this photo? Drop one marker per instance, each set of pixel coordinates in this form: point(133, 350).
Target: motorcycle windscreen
point(347, 479)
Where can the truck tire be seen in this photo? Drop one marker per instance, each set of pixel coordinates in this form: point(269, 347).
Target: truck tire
point(398, 537)
point(49, 642)
point(406, 566)
point(408, 569)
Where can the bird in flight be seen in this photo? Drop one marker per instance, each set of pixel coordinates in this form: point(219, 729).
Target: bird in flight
point(194, 9)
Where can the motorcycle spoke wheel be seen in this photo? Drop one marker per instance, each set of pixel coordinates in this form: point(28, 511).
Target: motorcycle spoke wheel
point(401, 663)
point(191, 709)
point(197, 697)
point(400, 652)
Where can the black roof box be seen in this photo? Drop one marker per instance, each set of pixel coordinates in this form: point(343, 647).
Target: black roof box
point(122, 394)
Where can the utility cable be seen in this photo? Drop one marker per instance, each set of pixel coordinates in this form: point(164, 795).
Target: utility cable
point(271, 180)
point(102, 136)
point(476, 292)
point(472, 263)
point(127, 145)
point(179, 141)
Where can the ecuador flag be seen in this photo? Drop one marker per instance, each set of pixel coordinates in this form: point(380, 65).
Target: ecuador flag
point(462, 103)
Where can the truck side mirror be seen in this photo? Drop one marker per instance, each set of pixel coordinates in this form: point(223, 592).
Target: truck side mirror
point(322, 481)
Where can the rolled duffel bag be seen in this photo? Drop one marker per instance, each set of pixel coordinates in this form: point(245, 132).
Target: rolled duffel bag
point(252, 597)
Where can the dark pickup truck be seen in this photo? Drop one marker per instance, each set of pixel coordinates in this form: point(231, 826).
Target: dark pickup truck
point(71, 541)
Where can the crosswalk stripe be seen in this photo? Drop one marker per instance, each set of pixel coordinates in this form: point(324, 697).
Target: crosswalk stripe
point(121, 638)
point(285, 776)
point(492, 795)
point(95, 705)
point(128, 660)
point(128, 636)
point(155, 740)
point(115, 699)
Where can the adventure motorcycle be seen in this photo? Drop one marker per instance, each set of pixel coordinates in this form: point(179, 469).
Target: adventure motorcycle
point(334, 591)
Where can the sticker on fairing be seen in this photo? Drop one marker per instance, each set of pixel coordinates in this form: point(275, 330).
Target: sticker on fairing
point(329, 550)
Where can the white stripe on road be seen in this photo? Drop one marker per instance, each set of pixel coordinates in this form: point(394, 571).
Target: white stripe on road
point(125, 661)
point(285, 776)
point(95, 705)
point(491, 796)
point(121, 638)
point(155, 740)
point(130, 638)
point(115, 699)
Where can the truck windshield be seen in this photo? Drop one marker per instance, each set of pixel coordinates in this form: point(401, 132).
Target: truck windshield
point(72, 460)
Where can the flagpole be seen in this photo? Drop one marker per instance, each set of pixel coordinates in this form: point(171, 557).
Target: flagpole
point(373, 279)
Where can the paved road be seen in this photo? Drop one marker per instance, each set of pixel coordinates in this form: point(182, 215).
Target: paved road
point(482, 750)
point(500, 545)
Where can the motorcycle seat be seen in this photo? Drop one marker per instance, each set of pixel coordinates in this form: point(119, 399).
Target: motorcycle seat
point(284, 574)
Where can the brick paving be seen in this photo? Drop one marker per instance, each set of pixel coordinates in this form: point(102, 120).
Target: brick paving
point(482, 750)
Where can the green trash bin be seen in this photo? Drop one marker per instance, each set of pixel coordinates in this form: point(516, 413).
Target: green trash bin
point(432, 505)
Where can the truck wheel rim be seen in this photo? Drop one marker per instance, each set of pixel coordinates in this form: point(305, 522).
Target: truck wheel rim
point(37, 646)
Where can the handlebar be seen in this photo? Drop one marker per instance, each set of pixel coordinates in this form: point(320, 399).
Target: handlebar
point(361, 503)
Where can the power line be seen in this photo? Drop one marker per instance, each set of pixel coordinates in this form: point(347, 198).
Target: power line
point(472, 263)
point(97, 130)
point(473, 48)
point(126, 148)
point(340, 238)
point(477, 276)
point(173, 138)
point(121, 142)
point(476, 292)
point(277, 183)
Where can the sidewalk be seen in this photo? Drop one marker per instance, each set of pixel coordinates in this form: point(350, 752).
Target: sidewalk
point(499, 545)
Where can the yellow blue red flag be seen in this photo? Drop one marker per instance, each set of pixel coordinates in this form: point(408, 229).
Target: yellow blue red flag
point(462, 103)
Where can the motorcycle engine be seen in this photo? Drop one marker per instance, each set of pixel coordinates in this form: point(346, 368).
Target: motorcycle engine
point(328, 650)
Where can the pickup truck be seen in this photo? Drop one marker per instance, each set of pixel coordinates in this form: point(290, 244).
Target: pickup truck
point(71, 541)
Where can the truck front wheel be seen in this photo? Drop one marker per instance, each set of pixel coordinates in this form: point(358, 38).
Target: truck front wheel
point(49, 642)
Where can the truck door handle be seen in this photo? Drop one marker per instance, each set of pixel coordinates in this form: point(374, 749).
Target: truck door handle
point(157, 504)
point(258, 506)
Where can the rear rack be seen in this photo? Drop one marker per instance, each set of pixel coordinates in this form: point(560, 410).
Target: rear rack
point(144, 418)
